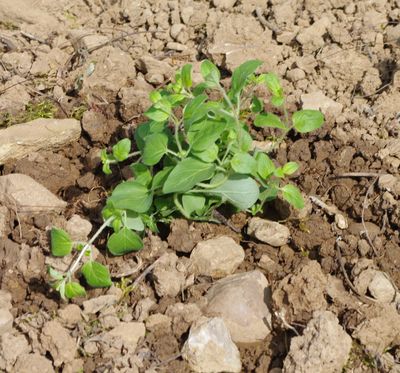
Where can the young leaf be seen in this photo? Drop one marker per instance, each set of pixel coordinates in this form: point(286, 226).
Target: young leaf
point(241, 74)
point(192, 202)
point(155, 96)
point(257, 105)
point(239, 190)
point(277, 100)
point(195, 110)
point(210, 72)
point(243, 163)
point(96, 275)
point(123, 242)
point(154, 149)
point(160, 177)
point(133, 221)
point(55, 275)
point(186, 174)
point(307, 120)
point(142, 173)
point(208, 155)
point(202, 135)
point(265, 166)
point(73, 290)
point(131, 195)
point(273, 84)
point(269, 120)
point(187, 76)
point(290, 168)
point(121, 149)
point(61, 243)
point(292, 195)
point(156, 114)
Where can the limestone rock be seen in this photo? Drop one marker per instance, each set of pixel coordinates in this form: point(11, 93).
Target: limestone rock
point(5, 300)
point(15, 96)
point(323, 347)
point(168, 280)
point(4, 220)
point(209, 348)
point(21, 192)
point(268, 231)
point(242, 300)
point(217, 257)
point(377, 284)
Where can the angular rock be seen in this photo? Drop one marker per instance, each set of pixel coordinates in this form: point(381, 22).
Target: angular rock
point(95, 305)
point(6, 321)
point(33, 363)
point(20, 140)
point(217, 257)
point(377, 283)
point(12, 346)
point(158, 320)
point(57, 340)
point(96, 125)
point(268, 231)
point(209, 348)
point(128, 333)
point(323, 347)
point(24, 194)
point(85, 39)
point(5, 300)
point(78, 228)
point(318, 101)
point(168, 280)
point(243, 301)
point(155, 71)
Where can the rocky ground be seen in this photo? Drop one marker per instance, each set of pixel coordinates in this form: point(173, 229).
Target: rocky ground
point(309, 291)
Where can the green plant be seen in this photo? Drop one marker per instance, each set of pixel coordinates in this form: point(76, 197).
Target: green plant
point(193, 155)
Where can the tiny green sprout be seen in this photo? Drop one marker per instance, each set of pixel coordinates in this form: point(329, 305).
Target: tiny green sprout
point(193, 154)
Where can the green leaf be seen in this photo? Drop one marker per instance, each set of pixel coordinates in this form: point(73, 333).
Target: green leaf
point(290, 168)
point(241, 73)
point(273, 84)
point(123, 242)
point(265, 166)
point(210, 72)
point(186, 174)
point(55, 275)
point(146, 129)
point(277, 100)
point(243, 163)
point(187, 76)
point(307, 120)
point(270, 193)
point(195, 110)
point(154, 149)
point(133, 221)
point(131, 195)
point(257, 105)
point(292, 195)
point(202, 135)
point(61, 243)
point(160, 177)
point(156, 114)
point(192, 203)
point(73, 290)
point(269, 120)
point(96, 275)
point(121, 149)
point(155, 96)
point(239, 190)
point(208, 155)
point(142, 173)
point(246, 140)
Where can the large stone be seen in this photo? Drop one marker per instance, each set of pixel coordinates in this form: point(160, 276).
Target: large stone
point(218, 257)
point(268, 231)
point(323, 347)
point(377, 284)
point(33, 363)
point(243, 302)
point(25, 195)
point(22, 139)
point(209, 348)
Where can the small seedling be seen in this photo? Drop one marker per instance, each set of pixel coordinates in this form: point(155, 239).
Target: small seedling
point(193, 155)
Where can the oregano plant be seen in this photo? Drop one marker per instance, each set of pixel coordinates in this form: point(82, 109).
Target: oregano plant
point(193, 155)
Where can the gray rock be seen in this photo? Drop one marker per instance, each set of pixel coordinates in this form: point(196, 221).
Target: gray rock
point(33, 363)
point(217, 257)
point(57, 340)
point(267, 231)
point(209, 348)
point(323, 347)
point(95, 305)
point(78, 228)
point(168, 280)
point(20, 140)
point(377, 283)
point(242, 300)
point(6, 321)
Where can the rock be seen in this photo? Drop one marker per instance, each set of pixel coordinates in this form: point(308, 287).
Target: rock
point(295, 74)
point(96, 125)
point(12, 346)
point(357, 229)
point(6, 321)
point(20, 62)
point(158, 320)
point(387, 182)
point(377, 283)
point(78, 228)
point(57, 340)
point(176, 46)
point(268, 231)
point(311, 38)
point(318, 101)
point(94, 305)
point(70, 315)
point(14, 96)
point(30, 262)
point(75, 366)
point(183, 237)
point(21, 192)
point(20, 140)
point(142, 308)
point(302, 292)
point(224, 4)
point(217, 257)
point(5, 300)
point(128, 333)
point(33, 363)
point(168, 281)
point(209, 348)
point(323, 347)
point(183, 315)
point(155, 71)
point(85, 39)
point(242, 300)
point(4, 221)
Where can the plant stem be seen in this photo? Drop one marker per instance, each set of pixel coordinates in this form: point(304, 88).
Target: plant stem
point(130, 155)
point(177, 124)
point(74, 266)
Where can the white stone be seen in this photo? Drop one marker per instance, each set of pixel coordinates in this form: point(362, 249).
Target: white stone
point(318, 101)
point(217, 257)
point(242, 300)
point(381, 288)
point(268, 231)
point(78, 228)
point(22, 193)
point(323, 347)
point(21, 140)
point(209, 348)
